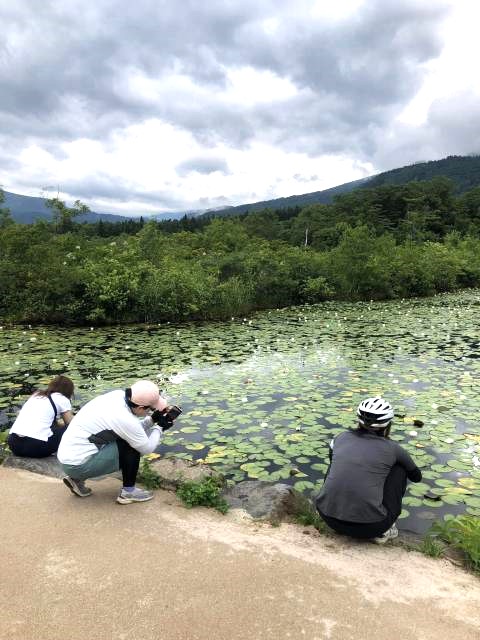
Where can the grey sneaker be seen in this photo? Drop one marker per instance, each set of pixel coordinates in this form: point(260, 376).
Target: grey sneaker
point(77, 487)
point(137, 495)
point(389, 534)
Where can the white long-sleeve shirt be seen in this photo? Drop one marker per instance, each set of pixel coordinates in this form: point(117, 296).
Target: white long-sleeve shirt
point(106, 412)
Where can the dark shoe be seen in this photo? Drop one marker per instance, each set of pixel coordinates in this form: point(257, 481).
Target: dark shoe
point(77, 487)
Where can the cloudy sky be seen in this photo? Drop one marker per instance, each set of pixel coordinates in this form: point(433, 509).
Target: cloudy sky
point(161, 105)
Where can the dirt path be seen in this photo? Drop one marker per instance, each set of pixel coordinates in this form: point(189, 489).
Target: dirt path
point(90, 569)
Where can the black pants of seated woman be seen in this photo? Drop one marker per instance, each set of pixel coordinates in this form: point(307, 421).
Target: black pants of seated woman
point(393, 492)
point(128, 461)
point(32, 448)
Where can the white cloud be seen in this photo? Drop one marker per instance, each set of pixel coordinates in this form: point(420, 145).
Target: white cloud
point(181, 107)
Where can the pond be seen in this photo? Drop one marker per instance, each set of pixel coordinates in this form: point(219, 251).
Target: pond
point(263, 395)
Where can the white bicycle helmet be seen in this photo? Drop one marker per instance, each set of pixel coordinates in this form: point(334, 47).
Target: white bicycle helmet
point(375, 413)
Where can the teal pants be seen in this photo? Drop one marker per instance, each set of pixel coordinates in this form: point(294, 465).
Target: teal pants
point(101, 463)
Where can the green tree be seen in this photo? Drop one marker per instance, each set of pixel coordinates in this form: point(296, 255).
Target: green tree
point(360, 266)
point(5, 216)
point(62, 215)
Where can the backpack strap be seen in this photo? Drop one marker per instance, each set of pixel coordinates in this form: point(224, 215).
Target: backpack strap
point(54, 409)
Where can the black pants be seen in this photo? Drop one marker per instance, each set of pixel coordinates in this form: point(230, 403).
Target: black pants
point(129, 461)
point(32, 448)
point(393, 492)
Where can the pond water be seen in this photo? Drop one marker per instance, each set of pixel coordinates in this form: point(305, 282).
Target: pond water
point(263, 395)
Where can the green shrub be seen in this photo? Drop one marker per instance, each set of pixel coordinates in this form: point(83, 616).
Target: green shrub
point(147, 476)
point(463, 533)
point(205, 493)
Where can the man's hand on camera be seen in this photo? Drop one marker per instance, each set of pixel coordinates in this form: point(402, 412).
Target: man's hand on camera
point(163, 420)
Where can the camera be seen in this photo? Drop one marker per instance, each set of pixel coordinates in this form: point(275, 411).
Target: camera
point(165, 419)
point(173, 412)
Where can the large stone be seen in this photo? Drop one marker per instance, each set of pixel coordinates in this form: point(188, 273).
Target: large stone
point(45, 466)
point(174, 471)
point(266, 501)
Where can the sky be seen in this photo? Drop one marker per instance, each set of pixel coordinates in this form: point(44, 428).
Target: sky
point(159, 106)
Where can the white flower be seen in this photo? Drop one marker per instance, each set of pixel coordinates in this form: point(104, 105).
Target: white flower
point(178, 378)
point(413, 433)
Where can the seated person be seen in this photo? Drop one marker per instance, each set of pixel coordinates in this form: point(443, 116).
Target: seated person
point(110, 433)
point(35, 433)
point(367, 477)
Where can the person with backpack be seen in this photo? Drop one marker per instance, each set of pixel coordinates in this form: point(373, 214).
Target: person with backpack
point(367, 478)
point(35, 432)
point(110, 433)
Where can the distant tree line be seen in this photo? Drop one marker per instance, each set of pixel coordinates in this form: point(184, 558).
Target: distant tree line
point(390, 241)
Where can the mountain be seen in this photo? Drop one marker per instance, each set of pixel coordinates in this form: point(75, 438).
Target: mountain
point(27, 209)
point(316, 197)
point(464, 171)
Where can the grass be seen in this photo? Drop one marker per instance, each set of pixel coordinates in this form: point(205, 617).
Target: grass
point(147, 476)
point(431, 546)
point(4, 450)
point(462, 533)
point(205, 493)
point(309, 516)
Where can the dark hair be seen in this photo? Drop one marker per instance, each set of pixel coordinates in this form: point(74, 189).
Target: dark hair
point(60, 384)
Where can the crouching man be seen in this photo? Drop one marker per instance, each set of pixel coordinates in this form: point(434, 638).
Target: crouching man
point(111, 432)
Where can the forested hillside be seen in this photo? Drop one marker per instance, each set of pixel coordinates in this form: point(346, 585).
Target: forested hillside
point(464, 171)
point(391, 241)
